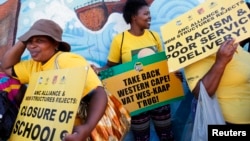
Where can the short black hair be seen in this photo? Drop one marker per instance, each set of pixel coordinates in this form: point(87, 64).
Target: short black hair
point(131, 8)
point(248, 4)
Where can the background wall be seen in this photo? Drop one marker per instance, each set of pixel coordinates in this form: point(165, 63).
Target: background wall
point(93, 43)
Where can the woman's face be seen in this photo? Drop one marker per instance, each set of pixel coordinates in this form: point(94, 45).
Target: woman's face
point(143, 18)
point(41, 48)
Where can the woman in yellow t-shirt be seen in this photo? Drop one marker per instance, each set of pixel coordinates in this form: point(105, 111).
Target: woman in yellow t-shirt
point(226, 74)
point(44, 42)
point(135, 43)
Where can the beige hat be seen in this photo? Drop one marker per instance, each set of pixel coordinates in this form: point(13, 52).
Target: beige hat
point(47, 28)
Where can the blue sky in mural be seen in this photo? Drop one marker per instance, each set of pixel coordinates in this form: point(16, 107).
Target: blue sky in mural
point(2, 1)
point(93, 45)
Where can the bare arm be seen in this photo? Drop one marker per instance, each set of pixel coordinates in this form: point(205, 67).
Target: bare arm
point(213, 77)
point(98, 103)
point(21, 92)
point(12, 57)
point(108, 65)
point(97, 107)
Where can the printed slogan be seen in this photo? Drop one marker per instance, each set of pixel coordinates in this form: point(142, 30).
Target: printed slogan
point(199, 32)
point(50, 105)
point(143, 84)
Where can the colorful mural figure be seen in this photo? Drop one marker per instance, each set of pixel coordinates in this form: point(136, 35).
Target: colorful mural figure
point(94, 13)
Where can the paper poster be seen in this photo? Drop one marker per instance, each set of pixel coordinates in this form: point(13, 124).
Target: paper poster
point(50, 105)
point(143, 84)
point(199, 32)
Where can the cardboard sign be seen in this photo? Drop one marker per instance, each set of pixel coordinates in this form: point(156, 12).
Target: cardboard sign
point(50, 105)
point(199, 32)
point(143, 84)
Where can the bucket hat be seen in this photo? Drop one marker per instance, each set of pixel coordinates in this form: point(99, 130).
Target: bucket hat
point(48, 28)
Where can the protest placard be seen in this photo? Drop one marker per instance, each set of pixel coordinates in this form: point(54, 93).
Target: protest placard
point(143, 84)
point(199, 32)
point(50, 105)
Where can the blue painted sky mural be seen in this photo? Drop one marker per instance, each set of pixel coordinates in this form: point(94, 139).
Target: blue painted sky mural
point(93, 45)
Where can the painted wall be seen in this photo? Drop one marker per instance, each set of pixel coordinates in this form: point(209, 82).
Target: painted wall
point(102, 21)
point(8, 23)
point(90, 40)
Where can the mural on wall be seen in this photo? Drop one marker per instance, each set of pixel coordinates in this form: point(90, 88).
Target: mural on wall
point(89, 25)
point(8, 19)
point(94, 14)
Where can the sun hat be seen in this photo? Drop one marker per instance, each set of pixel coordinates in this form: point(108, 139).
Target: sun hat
point(48, 28)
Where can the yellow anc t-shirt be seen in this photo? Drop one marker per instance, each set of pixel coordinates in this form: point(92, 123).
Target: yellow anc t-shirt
point(234, 89)
point(132, 47)
point(25, 69)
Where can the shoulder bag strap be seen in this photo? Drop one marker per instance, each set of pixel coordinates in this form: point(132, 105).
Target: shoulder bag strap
point(121, 48)
point(152, 34)
point(56, 61)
